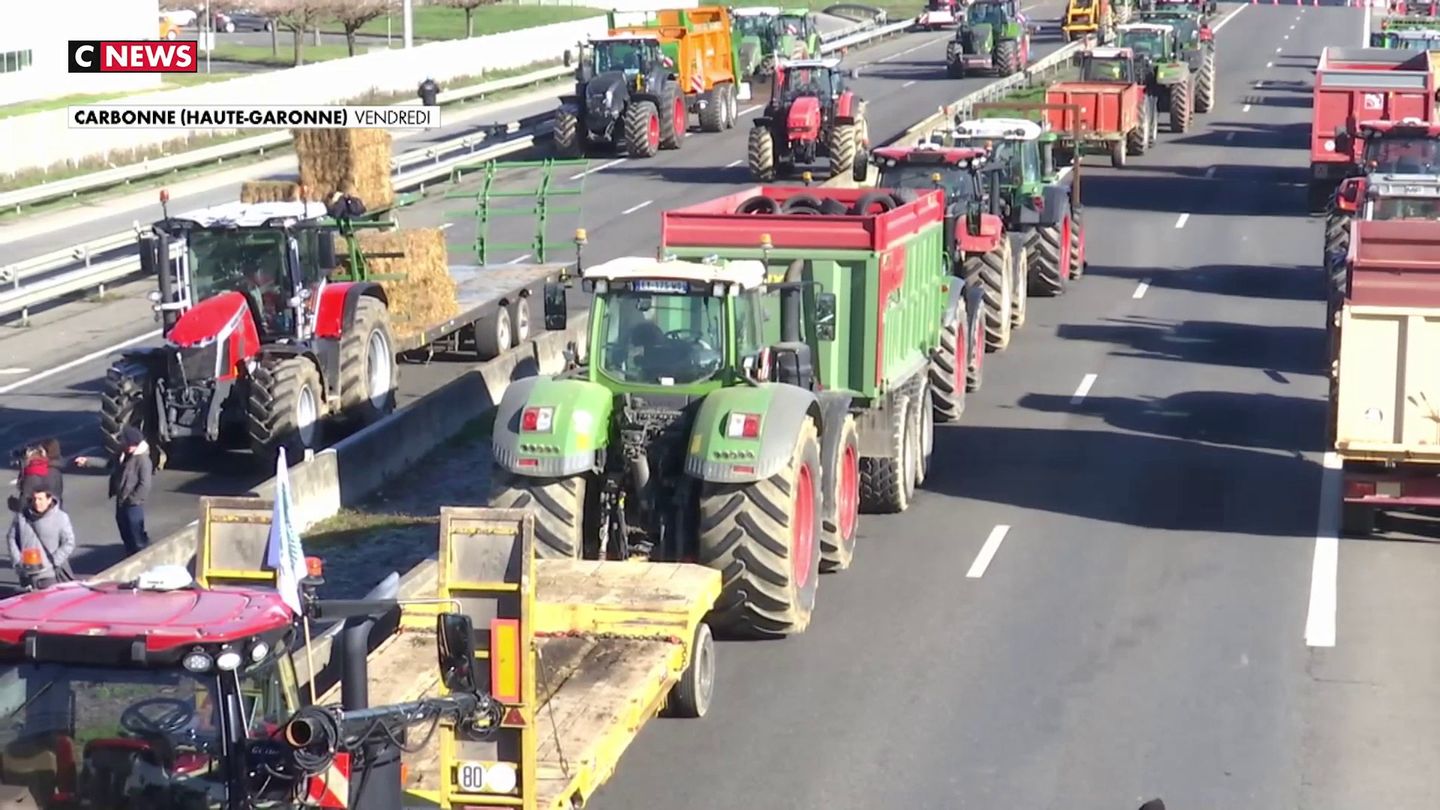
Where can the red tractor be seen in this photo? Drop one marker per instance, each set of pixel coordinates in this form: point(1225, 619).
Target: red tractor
point(267, 337)
point(811, 113)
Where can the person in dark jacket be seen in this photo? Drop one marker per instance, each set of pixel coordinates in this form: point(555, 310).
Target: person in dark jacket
point(34, 473)
point(42, 525)
point(130, 486)
point(51, 447)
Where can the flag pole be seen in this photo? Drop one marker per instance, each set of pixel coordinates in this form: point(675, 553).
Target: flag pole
point(309, 658)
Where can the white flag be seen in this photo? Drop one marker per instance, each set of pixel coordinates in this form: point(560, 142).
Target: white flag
point(284, 552)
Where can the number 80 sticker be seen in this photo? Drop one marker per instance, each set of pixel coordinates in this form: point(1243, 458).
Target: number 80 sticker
point(476, 777)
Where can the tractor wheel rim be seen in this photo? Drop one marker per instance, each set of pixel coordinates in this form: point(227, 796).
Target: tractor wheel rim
point(704, 676)
point(1064, 256)
point(522, 320)
point(849, 499)
point(679, 118)
point(653, 131)
point(502, 333)
point(962, 362)
point(927, 431)
point(306, 410)
point(378, 361)
point(802, 521)
point(977, 345)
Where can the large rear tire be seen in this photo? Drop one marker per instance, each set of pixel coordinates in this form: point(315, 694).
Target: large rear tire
point(285, 409)
point(887, 483)
point(842, 148)
point(1020, 281)
point(558, 505)
point(948, 372)
point(368, 372)
point(1077, 247)
point(993, 273)
point(1047, 261)
point(674, 118)
point(761, 154)
point(838, 531)
point(566, 135)
point(1182, 98)
point(1006, 58)
point(1205, 84)
point(714, 112)
point(763, 538)
point(642, 129)
point(123, 402)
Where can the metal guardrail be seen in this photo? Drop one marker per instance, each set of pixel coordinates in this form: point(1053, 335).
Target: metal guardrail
point(121, 175)
point(38, 280)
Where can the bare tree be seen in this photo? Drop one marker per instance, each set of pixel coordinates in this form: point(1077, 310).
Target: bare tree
point(469, 7)
point(353, 14)
point(297, 17)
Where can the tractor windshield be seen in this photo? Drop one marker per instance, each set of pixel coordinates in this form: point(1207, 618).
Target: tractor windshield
point(661, 338)
point(1402, 154)
point(1151, 43)
point(756, 25)
point(958, 182)
point(985, 14)
point(248, 261)
point(93, 737)
point(618, 56)
point(1111, 69)
point(806, 81)
point(1406, 208)
point(791, 26)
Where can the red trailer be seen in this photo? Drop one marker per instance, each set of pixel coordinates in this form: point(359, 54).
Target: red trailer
point(1353, 84)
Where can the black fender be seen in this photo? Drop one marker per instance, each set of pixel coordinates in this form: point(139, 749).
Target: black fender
point(761, 121)
point(834, 407)
point(359, 290)
point(845, 119)
point(571, 101)
point(1057, 204)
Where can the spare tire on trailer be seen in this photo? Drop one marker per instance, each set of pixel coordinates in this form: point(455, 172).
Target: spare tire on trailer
point(884, 199)
point(802, 204)
point(759, 204)
point(763, 536)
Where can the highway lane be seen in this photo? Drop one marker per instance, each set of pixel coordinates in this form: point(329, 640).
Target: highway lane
point(620, 222)
point(28, 244)
point(1140, 629)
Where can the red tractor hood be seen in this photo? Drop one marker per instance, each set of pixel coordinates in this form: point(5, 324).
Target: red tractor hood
point(214, 319)
point(803, 121)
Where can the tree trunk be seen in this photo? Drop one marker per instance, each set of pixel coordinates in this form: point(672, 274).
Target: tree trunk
point(275, 37)
point(350, 40)
point(469, 22)
point(299, 45)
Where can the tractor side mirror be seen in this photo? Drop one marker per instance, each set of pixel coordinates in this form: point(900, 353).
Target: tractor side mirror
point(861, 168)
point(557, 314)
point(825, 316)
point(1343, 142)
point(569, 58)
point(327, 258)
point(455, 637)
point(973, 215)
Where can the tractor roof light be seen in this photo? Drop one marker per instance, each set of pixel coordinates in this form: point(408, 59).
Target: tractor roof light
point(228, 661)
point(580, 236)
point(765, 241)
point(197, 660)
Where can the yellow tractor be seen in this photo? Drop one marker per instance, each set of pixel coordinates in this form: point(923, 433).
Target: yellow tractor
point(1086, 17)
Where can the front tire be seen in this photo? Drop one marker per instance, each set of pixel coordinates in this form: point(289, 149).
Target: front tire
point(558, 505)
point(124, 402)
point(368, 372)
point(566, 134)
point(842, 148)
point(642, 129)
point(1047, 261)
point(763, 538)
point(761, 154)
point(285, 409)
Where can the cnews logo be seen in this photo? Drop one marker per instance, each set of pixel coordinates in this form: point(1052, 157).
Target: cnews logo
point(134, 56)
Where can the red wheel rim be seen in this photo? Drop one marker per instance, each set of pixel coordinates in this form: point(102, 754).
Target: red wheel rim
point(849, 492)
point(802, 521)
point(978, 347)
point(654, 133)
point(962, 370)
point(679, 118)
point(1065, 254)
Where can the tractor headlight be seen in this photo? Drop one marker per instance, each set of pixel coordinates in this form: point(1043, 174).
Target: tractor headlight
point(197, 661)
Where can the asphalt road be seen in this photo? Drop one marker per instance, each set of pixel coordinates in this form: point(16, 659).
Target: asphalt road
point(1150, 444)
point(902, 79)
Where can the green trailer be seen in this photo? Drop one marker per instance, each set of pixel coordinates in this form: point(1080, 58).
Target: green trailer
point(700, 430)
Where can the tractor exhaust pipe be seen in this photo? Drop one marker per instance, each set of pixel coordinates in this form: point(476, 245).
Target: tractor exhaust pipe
point(790, 304)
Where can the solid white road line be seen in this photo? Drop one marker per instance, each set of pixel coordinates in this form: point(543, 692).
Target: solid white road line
point(1084, 389)
point(1140, 289)
point(15, 370)
point(77, 362)
point(1232, 15)
point(749, 110)
point(1184, 218)
point(602, 167)
point(987, 551)
point(632, 209)
point(518, 259)
point(1325, 571)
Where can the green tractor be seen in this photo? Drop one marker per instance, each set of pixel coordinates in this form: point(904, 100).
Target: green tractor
point(994, 37)
point(1166, 76)
point(1032, 196)
point(768, 33)
point(1197, 46)
point(1407, 34)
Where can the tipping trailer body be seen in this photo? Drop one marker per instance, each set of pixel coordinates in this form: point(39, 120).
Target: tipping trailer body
point(1386, 385)
point(1107, 110)
point(887, 270)
point(1354, 84)
point(700, 43)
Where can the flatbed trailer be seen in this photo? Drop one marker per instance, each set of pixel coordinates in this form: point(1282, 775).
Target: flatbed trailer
point(1387, 329)
point(581, 654)
point(486, 295)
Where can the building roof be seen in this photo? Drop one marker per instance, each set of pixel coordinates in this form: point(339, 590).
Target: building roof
point(252, 215)
point(164, 619)
point(747, 273)
point(1009, 128)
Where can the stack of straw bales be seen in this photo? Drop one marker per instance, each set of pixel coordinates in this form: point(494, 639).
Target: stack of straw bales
point(350, 161)
point(424, 294)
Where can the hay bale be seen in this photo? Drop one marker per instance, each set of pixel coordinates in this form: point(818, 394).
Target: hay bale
point(350, 161)
point(425, 292)
point(264, 191)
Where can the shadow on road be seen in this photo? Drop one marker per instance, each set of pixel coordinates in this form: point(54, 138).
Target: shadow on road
point(1286, 349)
point(1282, 283)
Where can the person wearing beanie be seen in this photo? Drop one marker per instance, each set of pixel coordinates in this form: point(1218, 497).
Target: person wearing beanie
point(42, 525)
point(130, 486)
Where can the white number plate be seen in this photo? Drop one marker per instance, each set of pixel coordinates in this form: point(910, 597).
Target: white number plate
point(471, 776)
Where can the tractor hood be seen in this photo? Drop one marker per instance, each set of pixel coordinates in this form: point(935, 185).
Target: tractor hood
point(605, 96)
point(979, 38)
point(212, 339)
point(803, 121)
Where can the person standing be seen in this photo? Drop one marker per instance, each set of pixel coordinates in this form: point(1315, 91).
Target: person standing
point(51, 447)
point(130, 486)
point(42, 525)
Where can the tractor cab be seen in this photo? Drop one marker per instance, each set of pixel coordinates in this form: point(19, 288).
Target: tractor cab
point(1014, 146)
point(1109, 66)
point(1407, 39)
point(1150, 42)
point(929, 165)
point(1409, 146)
point(1398, 197)
point(142, 694)
point(1191, 30)
point(276, 255)
point(630, 55)
point(994, 13)
point(821, 79)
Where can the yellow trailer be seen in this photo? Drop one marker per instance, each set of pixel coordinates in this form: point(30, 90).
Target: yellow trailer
point(579, 653)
